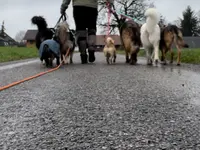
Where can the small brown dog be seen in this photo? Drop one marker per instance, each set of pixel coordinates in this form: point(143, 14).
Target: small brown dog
point(171, 34)
point(66, 40)
point(110, 50)
point(130, 37)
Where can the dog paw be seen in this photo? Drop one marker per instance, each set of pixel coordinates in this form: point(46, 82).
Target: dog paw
point(132, 62)
point(127, 61)
point(42, 63)
point(163, 63)
point(149, 62)
point(156, 62)
point(65, 62)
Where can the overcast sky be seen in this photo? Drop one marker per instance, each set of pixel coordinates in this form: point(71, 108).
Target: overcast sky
point(17, 13)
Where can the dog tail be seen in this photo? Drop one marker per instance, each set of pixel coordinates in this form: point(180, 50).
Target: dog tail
point(40, 22)
point(152, 19)
point(178, 33)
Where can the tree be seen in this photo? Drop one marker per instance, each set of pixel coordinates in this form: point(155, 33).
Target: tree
point(2, 32)
point(20, 35)
point(190, 23)
point(177, 23)
point(132, 8)
point(162, 21)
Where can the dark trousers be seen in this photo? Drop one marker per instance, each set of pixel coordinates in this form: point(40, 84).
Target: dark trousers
point(85, 18)
point(86, 21)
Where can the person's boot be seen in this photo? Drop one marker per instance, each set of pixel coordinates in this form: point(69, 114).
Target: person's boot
point(82, 49)
point(84, 58)
point(82, 45)
point(91, 55)
point(91, 45)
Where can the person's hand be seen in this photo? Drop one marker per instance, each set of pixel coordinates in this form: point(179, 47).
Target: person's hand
point(110, 1)
point(63, 9)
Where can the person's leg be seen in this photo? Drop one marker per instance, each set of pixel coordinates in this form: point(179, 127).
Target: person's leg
point(81, 32)
point(91, 25)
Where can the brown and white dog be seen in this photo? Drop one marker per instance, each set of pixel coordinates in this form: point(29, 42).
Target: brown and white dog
point(130, 37)
point(171, 34)
point(66, 40)
point(110, 50)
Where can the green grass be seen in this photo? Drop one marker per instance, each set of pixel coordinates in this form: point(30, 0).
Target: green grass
point(191, 56)
point(17, 53)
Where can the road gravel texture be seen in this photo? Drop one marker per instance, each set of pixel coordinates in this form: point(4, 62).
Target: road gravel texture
point(101, 107)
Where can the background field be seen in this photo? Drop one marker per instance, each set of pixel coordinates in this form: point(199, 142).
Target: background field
point(17, 53)
point(188, 55)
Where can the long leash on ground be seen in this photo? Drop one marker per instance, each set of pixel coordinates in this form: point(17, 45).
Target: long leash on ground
point(39, 74)
point(34, 76)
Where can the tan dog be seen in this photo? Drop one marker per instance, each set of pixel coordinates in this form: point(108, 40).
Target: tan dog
point(130, 37)
point(66, 40)
point(171, 34)
point(110, 51)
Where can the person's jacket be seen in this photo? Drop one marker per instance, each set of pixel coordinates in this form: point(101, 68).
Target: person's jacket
point(87, 3)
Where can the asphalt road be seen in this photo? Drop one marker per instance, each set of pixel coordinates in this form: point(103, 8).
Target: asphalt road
point(99, 106)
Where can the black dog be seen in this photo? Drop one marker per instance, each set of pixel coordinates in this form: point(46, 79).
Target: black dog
point(44, 32)
point(50, 49)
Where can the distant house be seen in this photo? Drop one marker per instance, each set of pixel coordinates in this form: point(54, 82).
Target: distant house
point(3, 42)
point(100, 41)
point(8, 40)
point(5, 39)
point(29, 38)
point(192, 41)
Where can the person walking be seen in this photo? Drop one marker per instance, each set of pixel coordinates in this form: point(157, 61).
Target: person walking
point(85, 13)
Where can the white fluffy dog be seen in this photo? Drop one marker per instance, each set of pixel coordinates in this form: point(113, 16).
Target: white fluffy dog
point(110, 50)
point(150, 35)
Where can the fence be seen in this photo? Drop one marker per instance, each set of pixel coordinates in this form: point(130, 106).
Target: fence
point(193, 42)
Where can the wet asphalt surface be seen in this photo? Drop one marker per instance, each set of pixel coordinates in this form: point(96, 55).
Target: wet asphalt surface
point(96, 106)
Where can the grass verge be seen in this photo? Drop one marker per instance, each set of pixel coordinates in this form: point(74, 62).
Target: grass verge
point(17, 53)
point(191, 56)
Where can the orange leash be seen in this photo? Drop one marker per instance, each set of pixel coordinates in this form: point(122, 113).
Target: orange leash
point(32, 77)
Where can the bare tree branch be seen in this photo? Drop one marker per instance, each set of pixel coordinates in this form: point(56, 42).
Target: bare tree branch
point(20, 35)
point(132, 8)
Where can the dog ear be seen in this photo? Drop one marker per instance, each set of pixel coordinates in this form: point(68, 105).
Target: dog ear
point(113, 42)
